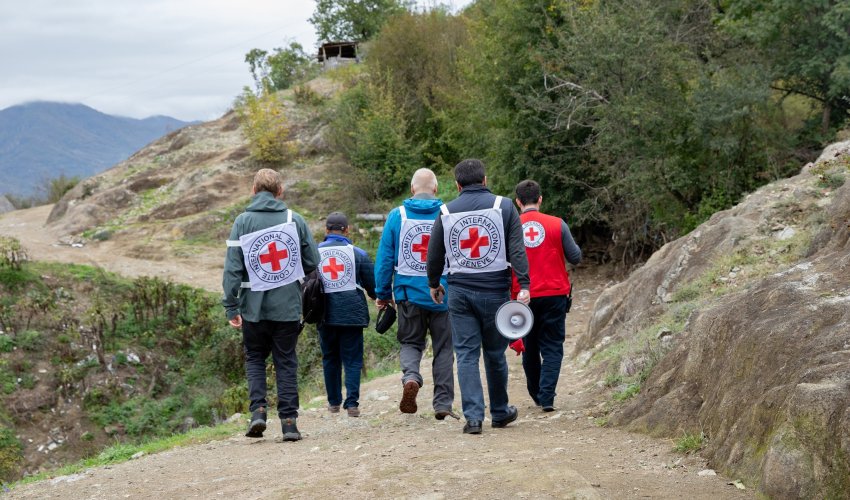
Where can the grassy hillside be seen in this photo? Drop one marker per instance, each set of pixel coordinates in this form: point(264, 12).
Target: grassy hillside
point(88, 359)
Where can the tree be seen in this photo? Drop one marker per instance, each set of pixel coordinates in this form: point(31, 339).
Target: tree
point(807, 43)
point(353, 20)
point(280, 70)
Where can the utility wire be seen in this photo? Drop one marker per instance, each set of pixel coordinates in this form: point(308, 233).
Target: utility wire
point(183, 65)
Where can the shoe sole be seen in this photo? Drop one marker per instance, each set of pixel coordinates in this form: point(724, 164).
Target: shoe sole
point(408, 398)
point(472, 431)
point(256, 429)
point(291, 436)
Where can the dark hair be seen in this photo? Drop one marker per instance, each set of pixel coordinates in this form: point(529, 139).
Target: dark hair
point(469, 172)
point(528, 192)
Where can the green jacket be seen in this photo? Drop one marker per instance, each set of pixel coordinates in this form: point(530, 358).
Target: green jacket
point(279, 304)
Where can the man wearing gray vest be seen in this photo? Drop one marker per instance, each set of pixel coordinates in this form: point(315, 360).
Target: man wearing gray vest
point(270, 249)
point(479, 235)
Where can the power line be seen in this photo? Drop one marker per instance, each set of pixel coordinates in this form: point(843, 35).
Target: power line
point(184, 64)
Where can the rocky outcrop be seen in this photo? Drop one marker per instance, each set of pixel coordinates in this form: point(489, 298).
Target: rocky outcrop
point(5, 205)
point(760, 360)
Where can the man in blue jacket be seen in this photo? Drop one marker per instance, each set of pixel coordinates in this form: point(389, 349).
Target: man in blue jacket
point(400, 273)
point(346, 272)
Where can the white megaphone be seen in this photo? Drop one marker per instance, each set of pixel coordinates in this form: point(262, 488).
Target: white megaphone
point(514, 320)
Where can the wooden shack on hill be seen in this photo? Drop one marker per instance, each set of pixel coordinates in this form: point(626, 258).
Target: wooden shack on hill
point(333, 54)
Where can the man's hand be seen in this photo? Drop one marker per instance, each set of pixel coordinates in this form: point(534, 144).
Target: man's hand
point(382, 304)
point(524, 296)
point(237, 321)
point(437, 294)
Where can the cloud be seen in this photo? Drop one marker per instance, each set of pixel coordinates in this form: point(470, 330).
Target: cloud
point(181, 58)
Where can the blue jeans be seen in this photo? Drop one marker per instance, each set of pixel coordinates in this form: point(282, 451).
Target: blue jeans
point(472, 314)
point(544, 348)
point(342, 346)
point(278, 338)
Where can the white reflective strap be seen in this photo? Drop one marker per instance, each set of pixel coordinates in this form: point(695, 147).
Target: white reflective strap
point(233, 243)
point(403, 213)
point(498, 202)
point(246, 284)
point(444, 209)
point(288, 216)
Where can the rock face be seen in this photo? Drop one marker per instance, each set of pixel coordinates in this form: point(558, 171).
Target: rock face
point(760, 359)
point(5, 205)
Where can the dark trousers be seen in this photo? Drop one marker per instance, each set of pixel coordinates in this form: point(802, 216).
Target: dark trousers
point(544, 348)
point(278, 338)
point(473, 317)
point(414, 323)
point(342, 346)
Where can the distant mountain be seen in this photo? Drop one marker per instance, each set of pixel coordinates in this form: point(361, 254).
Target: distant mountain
point(43, 140)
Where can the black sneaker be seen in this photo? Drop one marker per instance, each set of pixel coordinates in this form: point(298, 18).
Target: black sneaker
point(258, 423)
point(512, 415)
point(472, 427)
point(548, 408)
point(290, 430)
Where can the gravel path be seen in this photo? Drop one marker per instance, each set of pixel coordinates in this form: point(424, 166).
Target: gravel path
point(386, 454)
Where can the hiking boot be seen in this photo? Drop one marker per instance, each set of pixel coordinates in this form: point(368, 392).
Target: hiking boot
point(290, 430)
point(548, 408)
point(353, 411)
point(472, 427)
point(258, 423)
point(333, 408)
point(512, 415)
point(408, 397)
point(442, 414)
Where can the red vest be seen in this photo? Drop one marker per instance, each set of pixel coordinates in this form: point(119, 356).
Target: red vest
point(546, 260)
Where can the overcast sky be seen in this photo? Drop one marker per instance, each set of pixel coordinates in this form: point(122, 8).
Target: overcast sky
point(182, 58)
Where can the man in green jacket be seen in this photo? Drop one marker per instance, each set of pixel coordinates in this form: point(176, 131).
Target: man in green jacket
point(270, 249)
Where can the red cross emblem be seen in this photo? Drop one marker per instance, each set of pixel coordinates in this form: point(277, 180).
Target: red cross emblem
point(422, 247)
point(333, 268)
point(474, 243)
point(531, 233)
point(274, 256)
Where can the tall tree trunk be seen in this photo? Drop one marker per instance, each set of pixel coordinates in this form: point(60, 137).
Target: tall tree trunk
point(827, 112)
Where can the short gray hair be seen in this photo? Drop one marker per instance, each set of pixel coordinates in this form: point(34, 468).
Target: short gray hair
point(423, 179)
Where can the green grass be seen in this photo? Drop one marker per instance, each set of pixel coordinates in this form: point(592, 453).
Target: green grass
point(122, 452)
point(628, 393)
point(689, 443)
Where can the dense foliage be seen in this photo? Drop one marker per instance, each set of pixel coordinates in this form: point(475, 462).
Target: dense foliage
point(265, 125)
point(639, 118)
point(281, 69)
point(353, 20)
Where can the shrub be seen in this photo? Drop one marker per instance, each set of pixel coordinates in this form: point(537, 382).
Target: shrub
point(12, 253)
point(7, 343)
point(30, 340)
point(11, 453)
point(689, 443)
point(265, 125)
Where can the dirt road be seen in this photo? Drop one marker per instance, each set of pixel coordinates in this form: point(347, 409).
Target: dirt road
point(386, 454)
point(137, 258)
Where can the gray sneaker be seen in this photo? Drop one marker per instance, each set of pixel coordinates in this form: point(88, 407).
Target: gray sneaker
point(257, 424)
point(290, 430)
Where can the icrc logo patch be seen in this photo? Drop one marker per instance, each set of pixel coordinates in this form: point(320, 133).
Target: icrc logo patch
point(414, 245)
point(533, 234)
point(337, 269)
point(274, 256)
point(475, 241)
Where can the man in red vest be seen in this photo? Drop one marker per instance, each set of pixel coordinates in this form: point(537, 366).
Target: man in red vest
point(549, 245)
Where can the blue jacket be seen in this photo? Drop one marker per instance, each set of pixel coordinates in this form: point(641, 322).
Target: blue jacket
point(388, 282)
point(349, 308)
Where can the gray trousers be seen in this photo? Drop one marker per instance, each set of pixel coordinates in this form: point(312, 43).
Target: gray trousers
point(414, 323)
